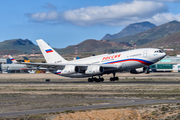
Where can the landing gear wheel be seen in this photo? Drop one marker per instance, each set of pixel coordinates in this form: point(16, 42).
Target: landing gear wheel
point(96, 80)
point(89, 79)
point(147, 71)
point(116, 78)
point(112, 79)
point(101, 79)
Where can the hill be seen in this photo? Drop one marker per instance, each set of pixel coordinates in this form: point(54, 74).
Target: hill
point(166, 35)
point(151, 34)
point(170, 42)
point(17, 46)
point(130, 30)
point(95, 46)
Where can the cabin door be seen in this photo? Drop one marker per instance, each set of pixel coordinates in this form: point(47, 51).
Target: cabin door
point(145, 53)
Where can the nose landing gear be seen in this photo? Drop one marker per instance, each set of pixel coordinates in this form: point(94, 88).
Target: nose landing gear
point(147, 71)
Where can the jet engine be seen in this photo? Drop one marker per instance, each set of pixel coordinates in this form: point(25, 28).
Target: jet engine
point(138, 70)
point(94, 69)
point(70, 69)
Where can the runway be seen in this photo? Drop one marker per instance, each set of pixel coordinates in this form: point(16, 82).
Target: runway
point(40, 76)
point(77, 83)
point(85, 82)
point(124, 78)
point(129, 102)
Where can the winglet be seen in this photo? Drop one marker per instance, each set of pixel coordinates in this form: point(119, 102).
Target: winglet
point(12, 59)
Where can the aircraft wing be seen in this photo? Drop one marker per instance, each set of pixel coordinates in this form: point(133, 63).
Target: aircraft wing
point(62, 65)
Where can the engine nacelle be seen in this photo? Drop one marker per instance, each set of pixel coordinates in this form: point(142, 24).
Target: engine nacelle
point(94, 69)
point(138, 70)
point(70, 69)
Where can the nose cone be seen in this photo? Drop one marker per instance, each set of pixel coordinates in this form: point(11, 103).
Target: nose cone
point(163, 55)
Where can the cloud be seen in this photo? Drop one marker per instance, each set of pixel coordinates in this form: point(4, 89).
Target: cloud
point(120, 14)
point(44, 16)
point(163, 18)
point(114, 13)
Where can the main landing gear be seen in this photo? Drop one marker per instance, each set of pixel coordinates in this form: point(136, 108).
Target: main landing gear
point(114, 78)
point(95, 79)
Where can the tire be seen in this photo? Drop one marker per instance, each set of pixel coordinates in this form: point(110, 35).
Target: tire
point(102, 80)
point(95, 79)
point(89, 79)
point(147, 72)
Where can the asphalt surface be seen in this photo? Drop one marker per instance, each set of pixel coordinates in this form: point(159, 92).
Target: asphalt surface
point(38, 76)
point(129, 103)
point(27, 80)
point(85, 82)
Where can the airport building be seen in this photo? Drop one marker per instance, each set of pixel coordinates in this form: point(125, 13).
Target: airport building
point(167, 64)
point(5, 61)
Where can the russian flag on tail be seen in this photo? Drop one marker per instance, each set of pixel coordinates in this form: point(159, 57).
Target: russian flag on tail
point(49, 50)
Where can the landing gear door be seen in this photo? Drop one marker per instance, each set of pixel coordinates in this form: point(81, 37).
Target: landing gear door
point(145, 53)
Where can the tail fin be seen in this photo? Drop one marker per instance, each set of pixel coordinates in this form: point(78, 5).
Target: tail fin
point(49, 54)
point(12, 59)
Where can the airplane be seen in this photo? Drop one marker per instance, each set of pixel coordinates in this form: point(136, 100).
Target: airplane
point(16, 66)
point(137, 60)
point(13, 67)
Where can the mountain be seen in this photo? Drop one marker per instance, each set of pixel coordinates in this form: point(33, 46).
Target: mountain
point(151, 34)
point(130, 30)
point(95, 46)
point(171, 42)
point(17, 46)
point(165, 35)
point(103, 46)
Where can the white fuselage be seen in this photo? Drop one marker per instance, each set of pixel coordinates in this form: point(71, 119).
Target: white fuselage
point(121, 61)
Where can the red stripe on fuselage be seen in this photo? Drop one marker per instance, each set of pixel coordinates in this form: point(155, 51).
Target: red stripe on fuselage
point(130, 60)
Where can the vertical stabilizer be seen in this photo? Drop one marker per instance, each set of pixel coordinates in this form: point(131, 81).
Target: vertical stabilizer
point(49, 53)
point(12, 59)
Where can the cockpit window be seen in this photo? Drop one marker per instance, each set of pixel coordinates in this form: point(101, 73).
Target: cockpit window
point(158, 51)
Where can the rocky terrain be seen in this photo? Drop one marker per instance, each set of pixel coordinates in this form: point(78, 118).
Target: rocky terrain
point(146, 112)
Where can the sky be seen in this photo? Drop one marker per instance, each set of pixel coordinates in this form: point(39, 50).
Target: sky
point(69, 22)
